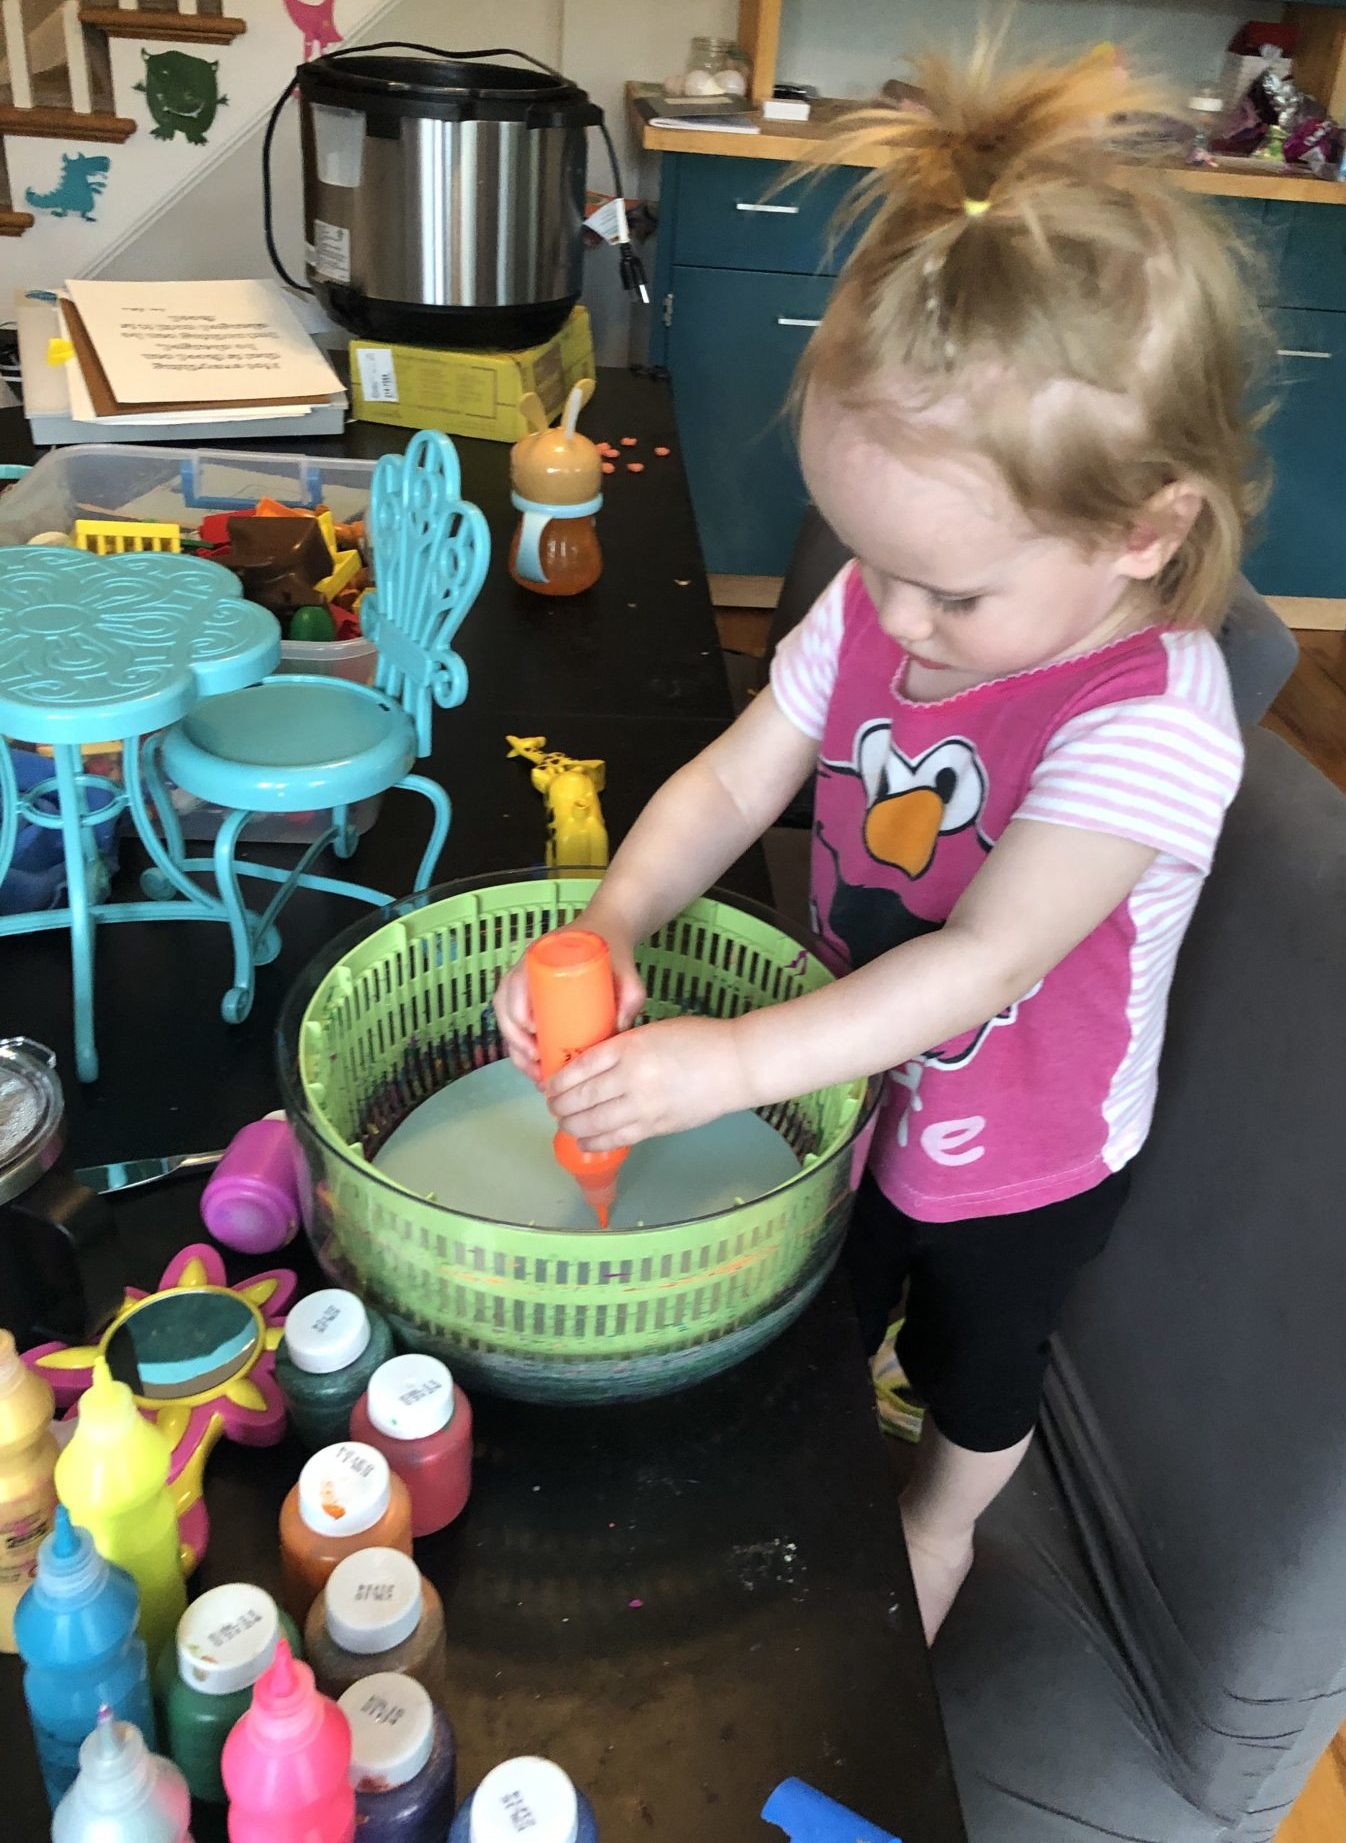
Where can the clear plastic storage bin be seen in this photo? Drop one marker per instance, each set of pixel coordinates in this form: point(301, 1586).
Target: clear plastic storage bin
point(179, 486)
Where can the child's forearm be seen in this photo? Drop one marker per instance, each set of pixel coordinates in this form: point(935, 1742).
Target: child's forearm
point(688, 836)
point(900, 1005)
point(701, 820)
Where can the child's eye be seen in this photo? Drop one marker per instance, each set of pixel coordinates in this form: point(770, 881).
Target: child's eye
point(957, 604)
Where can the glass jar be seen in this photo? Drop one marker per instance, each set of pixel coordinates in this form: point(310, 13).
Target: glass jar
point(716, 66)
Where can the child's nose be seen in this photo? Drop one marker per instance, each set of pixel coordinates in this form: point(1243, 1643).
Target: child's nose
point(906, 615)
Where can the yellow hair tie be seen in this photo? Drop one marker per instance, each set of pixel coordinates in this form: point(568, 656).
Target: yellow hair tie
point(975, 206)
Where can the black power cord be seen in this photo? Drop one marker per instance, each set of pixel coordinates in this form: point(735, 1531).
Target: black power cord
point(632, 269)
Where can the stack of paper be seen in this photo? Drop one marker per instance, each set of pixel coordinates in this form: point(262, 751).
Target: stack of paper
point(123, 361)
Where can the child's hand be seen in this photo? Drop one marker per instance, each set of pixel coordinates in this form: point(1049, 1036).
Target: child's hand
point(514, 1007)
point(661, 1078)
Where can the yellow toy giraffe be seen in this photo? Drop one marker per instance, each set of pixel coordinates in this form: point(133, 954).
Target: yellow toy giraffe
point(576, 835)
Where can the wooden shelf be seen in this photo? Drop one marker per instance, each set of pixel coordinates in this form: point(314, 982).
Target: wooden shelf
point(791, 141)
point(65, 124)
point(14, 223)
point(179, 28)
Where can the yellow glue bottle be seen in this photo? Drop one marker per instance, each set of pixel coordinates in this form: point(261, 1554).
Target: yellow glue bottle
point(112, 1478)
point(27, 1493)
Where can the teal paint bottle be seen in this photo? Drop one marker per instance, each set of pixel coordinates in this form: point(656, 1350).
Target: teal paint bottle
point(331, 1348)
point(225, 1640)
point(76, 1633)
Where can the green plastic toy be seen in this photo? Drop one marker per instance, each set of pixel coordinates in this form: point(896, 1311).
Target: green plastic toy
point(312, 622)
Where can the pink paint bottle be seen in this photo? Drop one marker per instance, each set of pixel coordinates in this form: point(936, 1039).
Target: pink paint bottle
point(286, 1764)
point(414, 1413)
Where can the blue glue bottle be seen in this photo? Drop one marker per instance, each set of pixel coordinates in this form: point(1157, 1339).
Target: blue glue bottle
point(76, 1633)
point(807, 1817)
point(529, 1795)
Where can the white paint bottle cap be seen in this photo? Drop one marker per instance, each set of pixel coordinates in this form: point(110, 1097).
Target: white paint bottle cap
point(529, 1795)
point(326, 1331)
point(410, 1397)
point(372, 1601)
point(227, 1638)
point(344, 1489)
point(392, 1723)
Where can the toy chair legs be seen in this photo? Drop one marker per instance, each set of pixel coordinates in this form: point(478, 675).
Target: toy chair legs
point(297, 743)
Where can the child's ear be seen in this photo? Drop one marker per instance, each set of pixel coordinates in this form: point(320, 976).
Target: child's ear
point(1160, 529)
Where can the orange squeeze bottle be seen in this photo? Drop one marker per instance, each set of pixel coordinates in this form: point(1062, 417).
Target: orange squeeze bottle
point(575, 1007)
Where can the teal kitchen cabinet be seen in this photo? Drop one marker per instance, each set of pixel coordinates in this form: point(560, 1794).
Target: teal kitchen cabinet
point(744, 270)
point(1299, 547)
point(733, 346)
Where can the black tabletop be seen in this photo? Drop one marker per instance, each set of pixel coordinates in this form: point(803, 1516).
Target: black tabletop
point(682, 1602)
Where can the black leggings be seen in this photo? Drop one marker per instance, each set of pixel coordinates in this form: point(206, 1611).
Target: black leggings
point(983, 1298)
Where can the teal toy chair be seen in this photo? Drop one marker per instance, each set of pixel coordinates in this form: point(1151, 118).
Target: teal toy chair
point(293, 743)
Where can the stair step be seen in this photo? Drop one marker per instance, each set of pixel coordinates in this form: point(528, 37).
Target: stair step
point(186, 28)
point(14, 223)
point(65, 124)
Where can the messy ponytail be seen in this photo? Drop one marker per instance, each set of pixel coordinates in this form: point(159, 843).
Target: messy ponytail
point(1022, 237)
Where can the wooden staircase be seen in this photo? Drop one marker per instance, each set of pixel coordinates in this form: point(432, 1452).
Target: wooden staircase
point(59, 73)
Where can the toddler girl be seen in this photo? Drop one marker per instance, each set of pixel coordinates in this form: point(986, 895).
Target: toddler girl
point(1024, 413)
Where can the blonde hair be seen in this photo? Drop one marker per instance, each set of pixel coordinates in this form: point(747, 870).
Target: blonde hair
point(1023, 238)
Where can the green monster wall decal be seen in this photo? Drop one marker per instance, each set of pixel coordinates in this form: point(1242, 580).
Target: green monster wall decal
point(182, 94)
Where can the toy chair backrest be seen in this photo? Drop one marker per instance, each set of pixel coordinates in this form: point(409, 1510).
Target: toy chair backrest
point(430, 552)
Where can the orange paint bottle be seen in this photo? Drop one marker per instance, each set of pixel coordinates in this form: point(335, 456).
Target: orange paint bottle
point(347, 1499)
point(575, 1007)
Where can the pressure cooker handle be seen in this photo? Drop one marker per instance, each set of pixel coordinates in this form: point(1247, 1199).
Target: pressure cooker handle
point(65, 1275)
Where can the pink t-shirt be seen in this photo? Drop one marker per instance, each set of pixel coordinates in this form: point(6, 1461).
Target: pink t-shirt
point(1137, 739)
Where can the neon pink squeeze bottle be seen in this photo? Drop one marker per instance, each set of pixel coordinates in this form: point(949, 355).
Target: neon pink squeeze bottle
point(286, 1763)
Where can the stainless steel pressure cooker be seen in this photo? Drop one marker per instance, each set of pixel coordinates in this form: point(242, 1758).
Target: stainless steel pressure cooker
point(443, 199)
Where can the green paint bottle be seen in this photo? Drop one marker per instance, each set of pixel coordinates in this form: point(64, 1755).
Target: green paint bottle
point(226, 1639)
point(332, 1346)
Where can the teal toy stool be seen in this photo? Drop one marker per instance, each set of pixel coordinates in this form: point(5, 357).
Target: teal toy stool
point(296, 743)
point(106, 649)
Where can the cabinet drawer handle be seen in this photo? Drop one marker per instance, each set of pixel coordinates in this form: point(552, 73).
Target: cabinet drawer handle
point(791, 320)
point(774, 211)
point(1296, 352)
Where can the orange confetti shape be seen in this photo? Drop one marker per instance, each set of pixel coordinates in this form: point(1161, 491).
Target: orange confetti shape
point(661, 452)
point(609, 467)
point(635, 467)
point(630, 441)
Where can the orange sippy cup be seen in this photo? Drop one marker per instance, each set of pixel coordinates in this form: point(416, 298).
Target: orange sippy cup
point(574, 1007)
point(556, 477)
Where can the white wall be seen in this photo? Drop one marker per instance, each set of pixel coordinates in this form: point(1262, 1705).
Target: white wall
point(850, 47)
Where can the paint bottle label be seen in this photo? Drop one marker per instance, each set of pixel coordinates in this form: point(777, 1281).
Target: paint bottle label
point(24, 1522)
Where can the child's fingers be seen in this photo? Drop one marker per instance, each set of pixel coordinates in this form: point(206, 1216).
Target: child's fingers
point(581, 1069)
point(630, 998)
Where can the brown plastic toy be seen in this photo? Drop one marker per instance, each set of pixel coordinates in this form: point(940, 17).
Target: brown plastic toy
point(556, 475)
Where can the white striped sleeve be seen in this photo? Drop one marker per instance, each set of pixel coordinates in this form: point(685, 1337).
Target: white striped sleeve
point(804, 669)
point(1159, 770)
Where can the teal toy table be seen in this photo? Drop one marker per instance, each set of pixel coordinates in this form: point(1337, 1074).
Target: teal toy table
point(108, 649)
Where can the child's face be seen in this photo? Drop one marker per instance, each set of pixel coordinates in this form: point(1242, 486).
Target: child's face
point(958, 575)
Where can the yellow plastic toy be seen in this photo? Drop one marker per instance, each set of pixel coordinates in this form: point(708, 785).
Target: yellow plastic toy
point(576, 835)
point(113, 537)
point(556, 476)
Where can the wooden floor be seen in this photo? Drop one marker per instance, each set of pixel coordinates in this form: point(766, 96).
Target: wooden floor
point(1311, 714)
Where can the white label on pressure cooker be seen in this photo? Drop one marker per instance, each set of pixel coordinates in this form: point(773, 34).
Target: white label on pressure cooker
point(378, 376)
point(331, 251)
point(609, 221)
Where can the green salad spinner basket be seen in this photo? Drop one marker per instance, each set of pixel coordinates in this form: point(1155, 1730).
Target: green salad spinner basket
point(398, 1007)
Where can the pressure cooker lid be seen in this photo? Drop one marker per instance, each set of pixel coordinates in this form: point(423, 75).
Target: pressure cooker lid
point(31, 1110)
point(444, 89)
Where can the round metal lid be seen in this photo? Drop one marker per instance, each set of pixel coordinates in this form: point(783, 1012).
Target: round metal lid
point(32, 1108)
